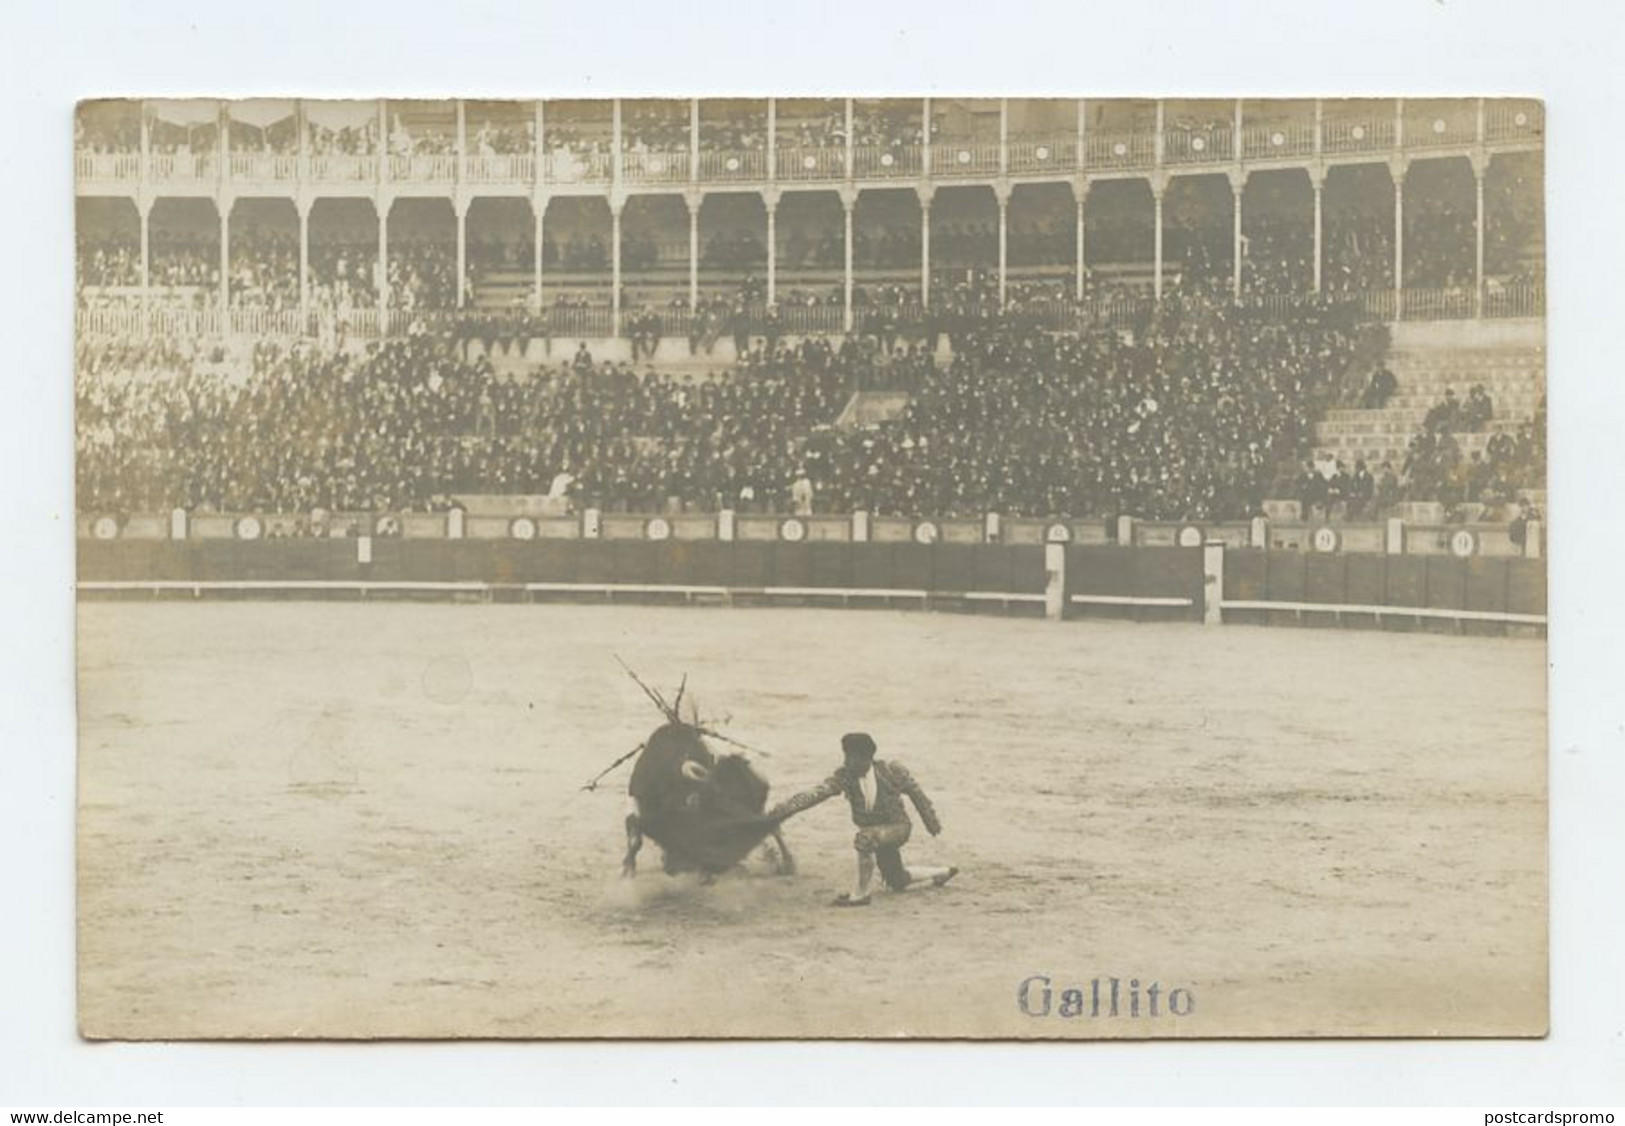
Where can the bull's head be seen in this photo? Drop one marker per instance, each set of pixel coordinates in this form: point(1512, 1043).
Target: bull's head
point(695, 771)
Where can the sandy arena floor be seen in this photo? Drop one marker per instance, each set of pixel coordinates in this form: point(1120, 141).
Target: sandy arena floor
point(304, 819)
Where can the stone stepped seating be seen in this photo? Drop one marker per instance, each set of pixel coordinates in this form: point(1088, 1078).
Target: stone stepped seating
point(1511, 366)
point(1372, 424)
point(1380, 448)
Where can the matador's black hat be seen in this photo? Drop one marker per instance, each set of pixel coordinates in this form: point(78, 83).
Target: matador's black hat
point(858, 743)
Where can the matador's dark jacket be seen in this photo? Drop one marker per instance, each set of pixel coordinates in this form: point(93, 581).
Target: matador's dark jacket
point(892, 781)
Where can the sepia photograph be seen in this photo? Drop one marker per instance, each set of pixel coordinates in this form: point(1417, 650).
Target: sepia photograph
point(840, 567)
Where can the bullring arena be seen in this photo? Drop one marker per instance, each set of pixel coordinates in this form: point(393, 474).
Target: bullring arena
point(1162, 482)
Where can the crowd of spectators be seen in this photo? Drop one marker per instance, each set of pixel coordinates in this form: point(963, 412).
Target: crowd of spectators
point(184, 259)
point(1511, 462)
point(409, 425)
point(658, 128)
point(405, 140)
point(422, 276)
point(344, 273)
point(733, 133)
point(107, 132)
point(280, 138)
point(108, 259)
point(490, 138)
point(1187, 419)
point(874, 125)
point(264, 270)
point(168, 138)
point(344, 140)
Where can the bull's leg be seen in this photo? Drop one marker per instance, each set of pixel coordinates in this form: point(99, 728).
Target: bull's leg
point(634, 841)
point(787, 863)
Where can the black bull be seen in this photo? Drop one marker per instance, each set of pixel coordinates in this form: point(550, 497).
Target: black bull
point(705, 812)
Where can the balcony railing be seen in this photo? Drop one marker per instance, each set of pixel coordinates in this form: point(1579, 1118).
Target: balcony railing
point(267, 322)
point(723, 165)
point(1453, 304)
point(181, 168)
point(133, 320)
point(566, 166)
point(886, 161)
point(586, 321)
point(1197, 146)
point(827, 162)
point(1344, 132)
point(423, 168)
point(810, 318)
point(264, 166)
point(659, 167)
point(507, 168)
point(1265, 142)
point(1438, 132)
point(1041, 154)
point(1513, 122)
point(1373, 134)
point(1517, 300)
point(116, 166)
point(964, 158)
point(1120, 150)
point(343, 168)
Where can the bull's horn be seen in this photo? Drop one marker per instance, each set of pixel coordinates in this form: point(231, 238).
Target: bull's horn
point(694, 771)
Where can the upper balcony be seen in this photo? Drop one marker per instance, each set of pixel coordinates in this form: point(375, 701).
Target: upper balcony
point(190, 147)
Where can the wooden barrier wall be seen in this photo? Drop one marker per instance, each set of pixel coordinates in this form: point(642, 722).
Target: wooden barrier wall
point(937, 568)
point(1144, 583)
point(1481, 584)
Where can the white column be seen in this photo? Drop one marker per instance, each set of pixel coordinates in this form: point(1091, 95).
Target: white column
point(694, 140)
point(538, 207)
point(1238, 187)
point(460, 207)
point(146, 145)
point(303, 207)
point(1082, 264)
point(1317, 181)
point(850, 171)
point(772, 140)
point(1212, 582)
point(144, 210)
point(1054, 581)
point(383, 265)
point(224, 208)
point(615, 142)
point(1479, 170)
point(849, 202)
point(1082, 155)
point(925, 193)
point(1399, 242)
point(925, 139)
point(1002, 194)
point(770, 200)
point(223, 128)
point(1004, 136)
point(694, 200)
point(538, 148)
point(462, 140)
point(1157, 188)
point(615, 207)
point(303, 125)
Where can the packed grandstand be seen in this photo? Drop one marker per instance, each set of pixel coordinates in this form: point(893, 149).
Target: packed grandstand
point(1170, 328)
